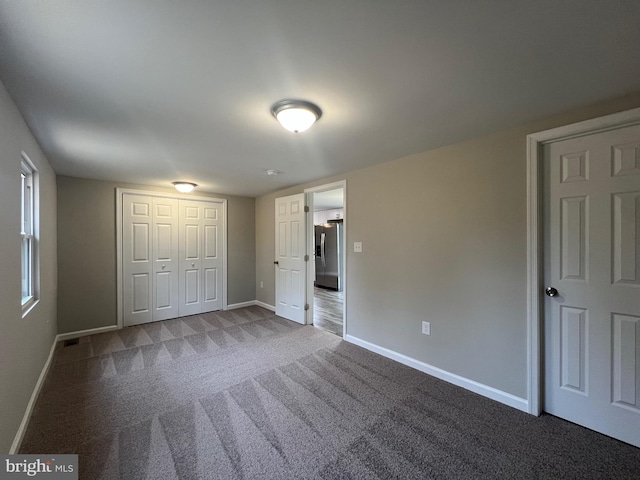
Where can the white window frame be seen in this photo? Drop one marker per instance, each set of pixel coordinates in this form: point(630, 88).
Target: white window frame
point(29, 226)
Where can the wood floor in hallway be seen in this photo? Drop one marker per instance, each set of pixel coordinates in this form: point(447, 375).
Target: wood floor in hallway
point(328, 306)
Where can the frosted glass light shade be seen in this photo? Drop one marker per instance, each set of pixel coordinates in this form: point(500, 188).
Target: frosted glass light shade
point(296, 115)
point(184, 187)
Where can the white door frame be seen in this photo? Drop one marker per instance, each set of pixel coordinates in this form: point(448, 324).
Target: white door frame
point(535, 246)
point(119, 195)
point(310, 248)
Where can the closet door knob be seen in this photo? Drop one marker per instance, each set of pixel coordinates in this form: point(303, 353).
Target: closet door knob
point(551, 292)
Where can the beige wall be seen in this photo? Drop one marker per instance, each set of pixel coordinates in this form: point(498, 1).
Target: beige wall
point(25, 343)
point(87, 251)
point(444, 240)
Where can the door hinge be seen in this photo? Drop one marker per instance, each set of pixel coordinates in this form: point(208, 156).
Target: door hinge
point(306, 258)
point(306, 306)
point(306, 209)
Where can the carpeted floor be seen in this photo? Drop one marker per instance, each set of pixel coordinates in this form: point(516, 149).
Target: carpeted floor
point(244, 394)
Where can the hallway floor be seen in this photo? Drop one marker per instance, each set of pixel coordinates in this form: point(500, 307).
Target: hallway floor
point(328, 306)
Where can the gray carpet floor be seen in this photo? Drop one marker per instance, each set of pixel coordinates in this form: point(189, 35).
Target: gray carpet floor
point(244, 394)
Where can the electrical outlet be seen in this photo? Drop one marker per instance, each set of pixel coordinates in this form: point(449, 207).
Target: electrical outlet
point(261, 284)
point(357, 247)
point(426, 328)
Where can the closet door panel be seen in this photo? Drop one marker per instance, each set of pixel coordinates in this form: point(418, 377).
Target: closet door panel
point(165, 258)
point(190, 257)
point(137, 251)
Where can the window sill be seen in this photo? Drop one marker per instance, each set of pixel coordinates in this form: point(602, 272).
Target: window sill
point(28, 306)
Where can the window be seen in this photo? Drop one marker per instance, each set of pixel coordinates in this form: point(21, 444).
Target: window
point(28, 230)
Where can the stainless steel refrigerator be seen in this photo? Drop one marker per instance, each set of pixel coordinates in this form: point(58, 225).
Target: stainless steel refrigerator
point(329, 255)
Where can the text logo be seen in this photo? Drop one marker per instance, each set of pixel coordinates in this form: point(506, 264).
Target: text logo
point(51, 467)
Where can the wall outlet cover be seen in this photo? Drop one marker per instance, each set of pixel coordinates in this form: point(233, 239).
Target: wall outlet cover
point(357, 247)
point(426, 328)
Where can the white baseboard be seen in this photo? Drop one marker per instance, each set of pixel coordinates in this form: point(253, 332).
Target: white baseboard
point(17, 441)
point(479, 388)
point(84, 333)
point(233, 306)
point(251, 304)
point(265, 305)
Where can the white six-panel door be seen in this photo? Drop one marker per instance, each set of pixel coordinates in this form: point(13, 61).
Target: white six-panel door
point(290, 251)
point(172, 257)
point(201, 263)
point(165, 258)
point(137, 281)
point(150, 230)
point(592, 258)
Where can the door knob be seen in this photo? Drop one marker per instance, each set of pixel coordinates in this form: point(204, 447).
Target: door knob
point(164, 266)
point(551, 292)
point(276, 263)
point(193, 264)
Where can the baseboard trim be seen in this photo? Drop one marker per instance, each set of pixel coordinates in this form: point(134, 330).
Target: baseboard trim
point(265, 305)
point(17, 440)
point(233, 306)
point(476, 387)
point(251, 303)
point(84, 333)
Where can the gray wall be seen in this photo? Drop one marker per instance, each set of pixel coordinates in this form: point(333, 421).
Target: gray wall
point(87, 251)
point(444, 240)
point(25, 343)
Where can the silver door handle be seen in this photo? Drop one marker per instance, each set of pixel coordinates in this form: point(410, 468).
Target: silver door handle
point(193, 264)
point(551, 292)
point(164, 266)
point(324, 263)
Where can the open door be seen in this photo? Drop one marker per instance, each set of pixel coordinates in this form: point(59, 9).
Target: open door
point(592, 274)
point(289, 258)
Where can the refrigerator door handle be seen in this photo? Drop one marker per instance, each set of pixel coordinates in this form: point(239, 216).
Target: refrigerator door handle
point(324, 263)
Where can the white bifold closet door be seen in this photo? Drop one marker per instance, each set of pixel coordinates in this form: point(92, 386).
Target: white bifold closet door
point(200, 257)
point(172, 257)
point(150, 256)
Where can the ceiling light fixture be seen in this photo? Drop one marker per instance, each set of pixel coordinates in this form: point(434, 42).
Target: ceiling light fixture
point(272, 172)
point(296, 115)
point(184, 187)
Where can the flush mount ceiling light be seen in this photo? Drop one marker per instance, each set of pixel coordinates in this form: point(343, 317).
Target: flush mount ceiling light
point(296, 115)
point(272, 173)
point(184, 187)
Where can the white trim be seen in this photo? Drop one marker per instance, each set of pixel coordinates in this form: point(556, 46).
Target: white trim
point(17, 440)
point(119, 284)
point(471, 385)
point(233, 306)
point(535, 275)
point(120, 192)
point(533, 278)
point(179, 196)
point(265, 305)
point(251, 303)
point(310, 247)
point(84, 333)
point(326, 187)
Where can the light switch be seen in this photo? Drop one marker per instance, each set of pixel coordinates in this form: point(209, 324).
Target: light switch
point(357, 247)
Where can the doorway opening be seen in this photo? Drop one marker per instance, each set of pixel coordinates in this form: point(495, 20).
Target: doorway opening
point(327, 263)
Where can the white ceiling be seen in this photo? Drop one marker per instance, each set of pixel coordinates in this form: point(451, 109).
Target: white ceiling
point(155, 91)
